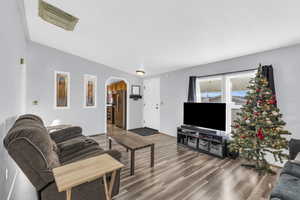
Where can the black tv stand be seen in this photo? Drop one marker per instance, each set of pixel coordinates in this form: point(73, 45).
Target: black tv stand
point(203, 140)
point(197, 129)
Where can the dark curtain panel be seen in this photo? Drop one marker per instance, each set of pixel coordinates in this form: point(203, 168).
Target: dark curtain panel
point(192, 89)
point(267, 71)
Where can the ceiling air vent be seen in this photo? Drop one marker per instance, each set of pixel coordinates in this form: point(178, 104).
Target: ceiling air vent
point(57, 16)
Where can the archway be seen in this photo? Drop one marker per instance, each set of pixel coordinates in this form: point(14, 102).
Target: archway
point(107, 83)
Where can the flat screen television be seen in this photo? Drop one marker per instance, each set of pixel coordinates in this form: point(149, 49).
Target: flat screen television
point(206, 115)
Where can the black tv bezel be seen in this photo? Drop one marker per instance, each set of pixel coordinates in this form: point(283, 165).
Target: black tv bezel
point(208, 128)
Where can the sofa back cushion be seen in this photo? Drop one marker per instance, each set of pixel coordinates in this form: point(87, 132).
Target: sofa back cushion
point(30, 145)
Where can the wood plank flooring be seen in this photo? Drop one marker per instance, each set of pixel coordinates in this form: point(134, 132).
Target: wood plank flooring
point(183, 174)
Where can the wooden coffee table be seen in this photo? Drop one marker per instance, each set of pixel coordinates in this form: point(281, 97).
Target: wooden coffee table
point(132, 143)
point(83, 171)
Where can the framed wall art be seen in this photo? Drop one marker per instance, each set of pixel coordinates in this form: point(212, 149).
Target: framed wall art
point(135, 92)
point(62, 89)
point(90, 91)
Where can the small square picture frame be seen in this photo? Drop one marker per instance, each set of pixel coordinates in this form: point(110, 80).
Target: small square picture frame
point(136, 90)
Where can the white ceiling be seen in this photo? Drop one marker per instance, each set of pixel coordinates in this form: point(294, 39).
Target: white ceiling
point(167, 35)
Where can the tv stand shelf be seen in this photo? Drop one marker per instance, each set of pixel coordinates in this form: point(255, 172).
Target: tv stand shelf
point(203, 140)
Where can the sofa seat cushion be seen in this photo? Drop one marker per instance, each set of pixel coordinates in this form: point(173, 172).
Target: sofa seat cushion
point(71, 144)
point(65, 134)
point(78, 153)
point(291, 168)
point(287, 188)
point(74, 145)
point(95, 152)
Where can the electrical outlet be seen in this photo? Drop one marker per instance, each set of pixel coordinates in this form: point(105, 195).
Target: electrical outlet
point(6, 174)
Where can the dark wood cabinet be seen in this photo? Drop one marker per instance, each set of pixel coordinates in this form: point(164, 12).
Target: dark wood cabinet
point(110, 115)
point(120, 109)
point(117, 96)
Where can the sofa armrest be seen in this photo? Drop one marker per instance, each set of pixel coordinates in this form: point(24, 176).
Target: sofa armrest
point(297, 159)
point(294, 148)
point(291, 168)
point(66, 134)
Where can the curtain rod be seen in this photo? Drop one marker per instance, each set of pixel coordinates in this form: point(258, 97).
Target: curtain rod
point(225, 73)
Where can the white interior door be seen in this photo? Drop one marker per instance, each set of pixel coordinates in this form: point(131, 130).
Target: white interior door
point(152, 103)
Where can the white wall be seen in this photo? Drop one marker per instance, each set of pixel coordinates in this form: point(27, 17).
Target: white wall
point(12, 48)
point(43, 61)
point(286, 62)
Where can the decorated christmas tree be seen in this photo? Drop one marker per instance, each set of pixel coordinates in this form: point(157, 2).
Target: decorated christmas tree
point(259, 128)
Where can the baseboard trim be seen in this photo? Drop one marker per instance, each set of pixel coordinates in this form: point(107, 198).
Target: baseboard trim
point(99, 134)
point(167, 134)
point(12, 185)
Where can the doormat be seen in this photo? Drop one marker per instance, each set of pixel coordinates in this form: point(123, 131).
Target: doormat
point(144, 131)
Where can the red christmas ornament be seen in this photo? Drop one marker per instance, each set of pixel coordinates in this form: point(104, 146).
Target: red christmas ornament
point(260, 134)
point(272, 101)
point(259, 101)
point(258, 90)
point(242, 137)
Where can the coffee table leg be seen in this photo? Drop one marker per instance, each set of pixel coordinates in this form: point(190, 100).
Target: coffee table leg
point(152, 155)
point(109, 143)
point(69, 194)
point(132, 160)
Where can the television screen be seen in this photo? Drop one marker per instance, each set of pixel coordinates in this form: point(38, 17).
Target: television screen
point(206, 115)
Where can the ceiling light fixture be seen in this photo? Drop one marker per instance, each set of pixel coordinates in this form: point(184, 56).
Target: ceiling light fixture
point(140, 71)
point(56, 16)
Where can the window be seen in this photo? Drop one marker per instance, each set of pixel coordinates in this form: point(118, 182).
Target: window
point(237, 85)
point(230, 89)
point(210, 90)
point(239, 88)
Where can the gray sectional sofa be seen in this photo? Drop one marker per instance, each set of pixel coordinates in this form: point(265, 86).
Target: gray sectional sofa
point(288, 186)
point(37, 152)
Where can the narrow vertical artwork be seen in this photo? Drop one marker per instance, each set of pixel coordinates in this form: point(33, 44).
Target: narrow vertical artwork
point(90, 85)
point(62, 89)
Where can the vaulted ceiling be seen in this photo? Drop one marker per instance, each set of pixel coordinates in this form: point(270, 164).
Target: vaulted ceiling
point(166, 35)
